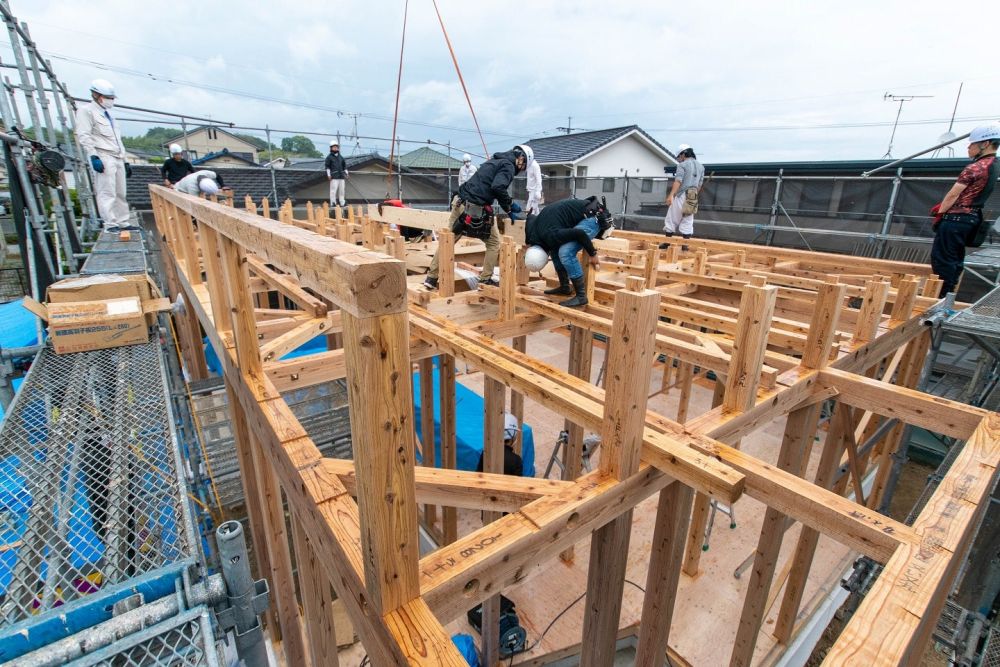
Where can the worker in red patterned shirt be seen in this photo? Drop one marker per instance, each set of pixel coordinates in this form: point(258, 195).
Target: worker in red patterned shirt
point(960, 214)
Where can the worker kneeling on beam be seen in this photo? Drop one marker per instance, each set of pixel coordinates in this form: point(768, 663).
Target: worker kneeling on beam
point(561, 230)
point(204, 181)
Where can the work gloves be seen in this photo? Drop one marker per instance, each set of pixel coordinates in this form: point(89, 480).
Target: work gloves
point(515, 211)
point(96, 164)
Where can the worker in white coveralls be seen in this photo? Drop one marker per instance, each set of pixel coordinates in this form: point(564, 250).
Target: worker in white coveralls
point(534, 172)
point(467, 170)
point(101, 141)
point(204, 182)
point(336, 173)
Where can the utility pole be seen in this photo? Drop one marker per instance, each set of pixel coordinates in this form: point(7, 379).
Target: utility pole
point(901, 99)
point(569, 126)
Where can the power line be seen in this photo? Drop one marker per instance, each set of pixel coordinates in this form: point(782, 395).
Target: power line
point(818, 126)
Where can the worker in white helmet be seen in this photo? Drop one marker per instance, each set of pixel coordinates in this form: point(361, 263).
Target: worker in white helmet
point(958, 218)
point(204, 181)
point(467, 170)
point(682, 202)
point(175, 168)
point(337, 174)
point(101, 142)
point(534, 174)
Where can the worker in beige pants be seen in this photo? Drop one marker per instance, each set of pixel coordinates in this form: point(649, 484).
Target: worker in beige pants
point(492, 245)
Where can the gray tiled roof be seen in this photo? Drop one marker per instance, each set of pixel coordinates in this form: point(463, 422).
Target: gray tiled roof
point(428, 158)
point(566, 148)
point(254, 181)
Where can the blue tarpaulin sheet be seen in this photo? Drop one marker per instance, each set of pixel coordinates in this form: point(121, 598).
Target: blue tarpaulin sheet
point(17, 325)
point(469, 423)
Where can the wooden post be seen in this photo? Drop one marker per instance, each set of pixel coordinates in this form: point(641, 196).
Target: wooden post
point(581, 356)
point(426, 367)
point(749, 345)
point(589, 280)
point(739, 259)
point(377, 354)
point(665, 557)
point(265, 208)
point(317, 601)
point(685, 374)
point(446, 389)
point(508, 278)
point(649, 268)
point(700, 261)
point(520, 344)
point(694, 545)
point(800, 429)
point(446, 262)
point(630, 364)
point(870, 315)
point(523, 275)
point(493, 404)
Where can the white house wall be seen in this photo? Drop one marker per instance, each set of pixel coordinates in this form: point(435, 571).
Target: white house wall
point(628, 154)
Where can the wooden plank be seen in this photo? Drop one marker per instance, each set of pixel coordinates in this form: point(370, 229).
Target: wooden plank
point(378, 383)
point(362, 283)
point(665, 558)
point(896, 618)
point(293, 339)
point(289, 287)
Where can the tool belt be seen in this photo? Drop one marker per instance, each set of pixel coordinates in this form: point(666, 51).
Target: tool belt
point(690, 206)
point(475, 221)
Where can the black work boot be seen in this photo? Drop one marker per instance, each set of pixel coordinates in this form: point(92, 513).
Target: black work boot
point(581, 294)
point(564, 288)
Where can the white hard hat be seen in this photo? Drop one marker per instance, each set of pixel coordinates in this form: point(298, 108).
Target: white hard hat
point(334, 142)
point(208, 186)
point(175, 149)
point(466, 158)
point(528, 153)
point(535, 258)
point(682, 148)
point(102, 87)
point(510, 426)
point(985, 133)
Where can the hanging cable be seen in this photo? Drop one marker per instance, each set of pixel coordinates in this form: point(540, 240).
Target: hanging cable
point(460, 79)
point(395, 113)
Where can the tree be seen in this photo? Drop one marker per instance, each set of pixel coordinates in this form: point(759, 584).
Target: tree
point(259, 143)
point(301, 145)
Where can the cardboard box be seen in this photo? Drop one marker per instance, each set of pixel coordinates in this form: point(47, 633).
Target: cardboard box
point(103, 287)
point(82, 326)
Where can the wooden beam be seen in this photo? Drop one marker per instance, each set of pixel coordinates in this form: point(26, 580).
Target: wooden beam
point(581, 355)
point(449, 452)
point(289, 287)
point(429, 446)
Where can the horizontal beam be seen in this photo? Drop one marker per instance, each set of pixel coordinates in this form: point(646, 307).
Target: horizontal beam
point(362, 282)
point(936, 414)
point(287, 286)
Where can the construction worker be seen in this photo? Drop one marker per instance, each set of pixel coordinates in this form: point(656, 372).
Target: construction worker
point(561, 230)
point(101, 142)
point(176, 167)
point(682, 202)
point(512, 462)
point(205, 182)
point(534, 184)
point(336, 173)
point(467, 170)
point(959, 216)
point(472, 209)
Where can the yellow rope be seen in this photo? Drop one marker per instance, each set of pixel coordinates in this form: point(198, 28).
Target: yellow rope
point(197, 425)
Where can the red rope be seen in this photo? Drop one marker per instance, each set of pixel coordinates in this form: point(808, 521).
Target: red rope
point(395, 113)
point(465, 90)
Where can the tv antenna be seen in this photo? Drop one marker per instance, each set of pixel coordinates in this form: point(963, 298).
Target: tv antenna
point(949, 135)
point(902, 99)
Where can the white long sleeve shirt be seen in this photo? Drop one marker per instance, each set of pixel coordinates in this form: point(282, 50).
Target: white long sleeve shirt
point(534, 186)
point(466, 172)
point(98, 132)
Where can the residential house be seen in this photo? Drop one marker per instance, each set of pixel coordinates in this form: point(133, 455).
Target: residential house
point(426, 159)
point(223, 158)
point(209, 139)
point(594, 162)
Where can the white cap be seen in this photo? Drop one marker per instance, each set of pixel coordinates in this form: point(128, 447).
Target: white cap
point(510, 426)
point(466, 158)
point(334, 142)
point(682, 148)
point(529, 154)
point(175, 149)
point(102, 87)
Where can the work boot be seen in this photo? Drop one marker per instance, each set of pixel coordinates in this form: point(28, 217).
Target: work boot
point(431, 283)
point(564, 288)
point(581, 294)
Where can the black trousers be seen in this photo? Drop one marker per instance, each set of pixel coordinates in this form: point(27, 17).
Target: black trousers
point(948, 251)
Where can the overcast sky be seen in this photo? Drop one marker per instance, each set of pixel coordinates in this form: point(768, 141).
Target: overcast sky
point(710, 74)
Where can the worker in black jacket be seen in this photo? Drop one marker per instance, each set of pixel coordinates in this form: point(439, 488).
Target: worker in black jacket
point(562, 229)
point(471, 208)
point(175, 168)
point(336, 173)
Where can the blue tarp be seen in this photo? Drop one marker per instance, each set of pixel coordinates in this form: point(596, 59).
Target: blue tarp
point(17, 325)
point(469, 423)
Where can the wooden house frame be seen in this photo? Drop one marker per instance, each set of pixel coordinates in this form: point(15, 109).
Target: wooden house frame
point(785, 331)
